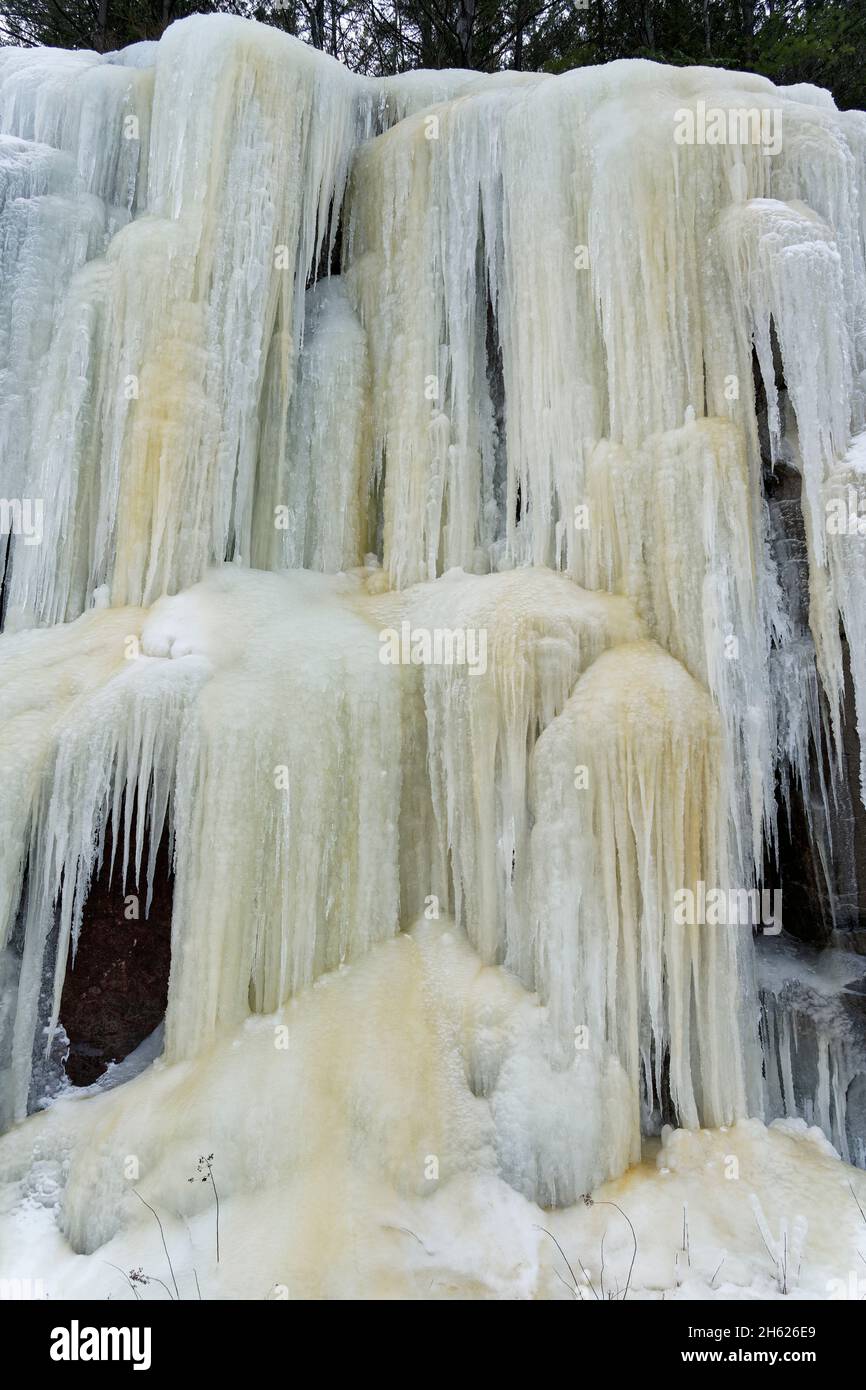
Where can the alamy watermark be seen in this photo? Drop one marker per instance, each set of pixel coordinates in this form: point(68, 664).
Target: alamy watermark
point(22, 1290)
point(735, 125)
point(729, 907)
point(22, 516)
point(846, 516)
point(436, 646)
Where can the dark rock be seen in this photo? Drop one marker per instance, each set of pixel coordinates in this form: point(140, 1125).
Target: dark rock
point(115, 993)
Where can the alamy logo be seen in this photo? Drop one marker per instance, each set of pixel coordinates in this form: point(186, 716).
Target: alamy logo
point(853, 1288)
point(718, 125)
point(437, 646)
point(22, 516)
point(76, 1343)
point(729, 907)
point(846, 516)
point(21, 1290)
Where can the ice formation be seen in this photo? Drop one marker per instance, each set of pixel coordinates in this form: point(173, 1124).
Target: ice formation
point(627, 795)
point(433, 611)
point(540, 632)
point(815, 1058)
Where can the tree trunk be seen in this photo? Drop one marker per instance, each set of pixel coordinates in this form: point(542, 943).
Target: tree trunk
point(747, 10)
point(464, 25)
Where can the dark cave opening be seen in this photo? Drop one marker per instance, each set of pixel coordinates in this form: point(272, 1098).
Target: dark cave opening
point(115, 992)
point(330, 258)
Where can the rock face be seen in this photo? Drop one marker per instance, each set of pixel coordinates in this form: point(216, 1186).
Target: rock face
point(115, 992)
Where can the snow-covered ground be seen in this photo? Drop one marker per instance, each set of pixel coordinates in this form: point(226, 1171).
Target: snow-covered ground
point(353, 1159)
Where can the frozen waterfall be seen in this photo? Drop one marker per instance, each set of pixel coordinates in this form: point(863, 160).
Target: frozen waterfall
point(385, 527)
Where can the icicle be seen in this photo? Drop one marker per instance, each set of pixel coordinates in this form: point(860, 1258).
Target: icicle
point(146, 448)
point(286, 766)
point(627, 845)
point(674, 527)
point(528, 635)
point(844, 523)
point(318, 502)
point(783, 256)
point(48, 228)
point(815, 1058)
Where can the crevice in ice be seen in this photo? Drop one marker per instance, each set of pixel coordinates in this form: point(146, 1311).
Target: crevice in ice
point(821, 823)
point(5, 548)
point(330, 256)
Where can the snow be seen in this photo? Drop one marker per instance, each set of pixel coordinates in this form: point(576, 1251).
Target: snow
point(433, 610)
point(339, 1202)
